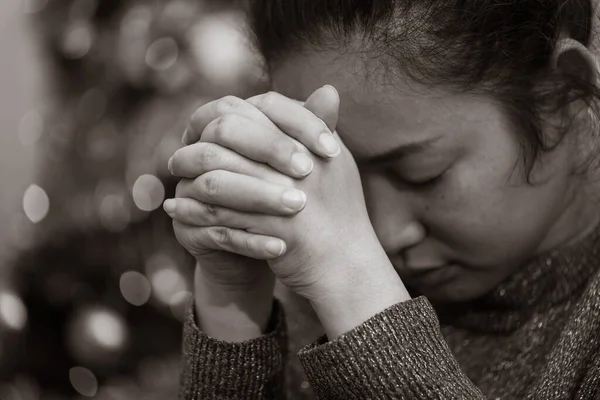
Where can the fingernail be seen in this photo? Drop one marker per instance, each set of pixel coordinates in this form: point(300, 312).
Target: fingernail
point(169, 206)
point(302, 163)
point(329, 145)
point(170, 165)
point(331, 87)
point(294, 199)
point(275, 247)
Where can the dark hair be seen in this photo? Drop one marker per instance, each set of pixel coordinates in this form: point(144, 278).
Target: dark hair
point(500, 48)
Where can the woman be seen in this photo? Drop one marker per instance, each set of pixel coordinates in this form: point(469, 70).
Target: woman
point(465, 264)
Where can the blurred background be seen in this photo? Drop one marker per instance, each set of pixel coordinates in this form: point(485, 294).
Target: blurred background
point(95, 95)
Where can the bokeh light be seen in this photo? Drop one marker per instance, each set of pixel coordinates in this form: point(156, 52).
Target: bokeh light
point(221, 48)
point(166, 283)
point(135, 288)
point(107, 329)
point(123, 80)
point(148, 192)
point(84, 381)
point(162, 54)
point(178, 304)
point(31, 127)
point(36, 203)
point(112, 205)
point(77, 40)
point(97, 336)
point(12, 311)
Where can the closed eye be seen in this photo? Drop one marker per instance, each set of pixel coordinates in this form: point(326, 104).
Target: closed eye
point(421, 183)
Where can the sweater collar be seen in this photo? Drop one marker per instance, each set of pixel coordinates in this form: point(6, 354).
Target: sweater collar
point(545, 281)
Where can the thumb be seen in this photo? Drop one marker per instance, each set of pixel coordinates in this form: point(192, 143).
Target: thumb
point(325, 104)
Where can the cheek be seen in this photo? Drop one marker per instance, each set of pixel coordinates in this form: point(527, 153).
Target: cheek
point(479, 215)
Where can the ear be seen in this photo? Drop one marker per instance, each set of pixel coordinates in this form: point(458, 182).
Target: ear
point(325, 104)
point(574, 58)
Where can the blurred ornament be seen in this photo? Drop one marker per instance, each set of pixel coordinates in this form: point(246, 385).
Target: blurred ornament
point(135, 288)
point(77, 40)
point(148, 192)
point(13, 313)
point(162, 54)
point(84, 381)
point(97, 336)
point(34, 6)
point(31, 127)
point(36, 203)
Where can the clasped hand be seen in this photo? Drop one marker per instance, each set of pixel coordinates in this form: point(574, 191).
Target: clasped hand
point(268, 178)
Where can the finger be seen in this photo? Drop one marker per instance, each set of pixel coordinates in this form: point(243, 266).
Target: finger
point(213, 110)
point(242, 193)
point(195, 213)
point(325, 104)
point(259, 143)
point(200, 241)
point(298, 122)
point(201, 157)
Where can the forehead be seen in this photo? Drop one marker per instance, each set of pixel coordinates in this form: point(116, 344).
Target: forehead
point(376, 111)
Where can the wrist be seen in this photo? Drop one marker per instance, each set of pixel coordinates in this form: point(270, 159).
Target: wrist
point(233, 314)
point(365, 291)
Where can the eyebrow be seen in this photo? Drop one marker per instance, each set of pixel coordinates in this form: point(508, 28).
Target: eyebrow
point(399, 152)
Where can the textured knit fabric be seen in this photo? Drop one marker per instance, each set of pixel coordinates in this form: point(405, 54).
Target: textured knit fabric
point(536, 336)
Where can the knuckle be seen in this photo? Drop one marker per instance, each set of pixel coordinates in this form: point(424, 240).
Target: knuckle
point(266, 101)
point(220, 235)
point(227, 103)
point(209, 185)
point(225, 123)
point(208, 156)
point(211, 212)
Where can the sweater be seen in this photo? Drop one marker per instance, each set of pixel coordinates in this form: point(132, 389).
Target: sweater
point(535, 336)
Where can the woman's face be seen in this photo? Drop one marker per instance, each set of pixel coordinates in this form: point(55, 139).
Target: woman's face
point(443, 179)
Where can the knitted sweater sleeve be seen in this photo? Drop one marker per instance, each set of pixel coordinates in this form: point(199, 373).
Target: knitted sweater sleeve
point(399, 353)
point(214, 369)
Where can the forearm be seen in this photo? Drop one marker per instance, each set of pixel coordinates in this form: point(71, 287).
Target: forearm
point(372, 288)
point(233, 314)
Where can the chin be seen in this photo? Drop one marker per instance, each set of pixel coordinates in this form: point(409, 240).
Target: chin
point(451, 292)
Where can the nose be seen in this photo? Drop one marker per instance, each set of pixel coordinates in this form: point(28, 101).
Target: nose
point(392, 215)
